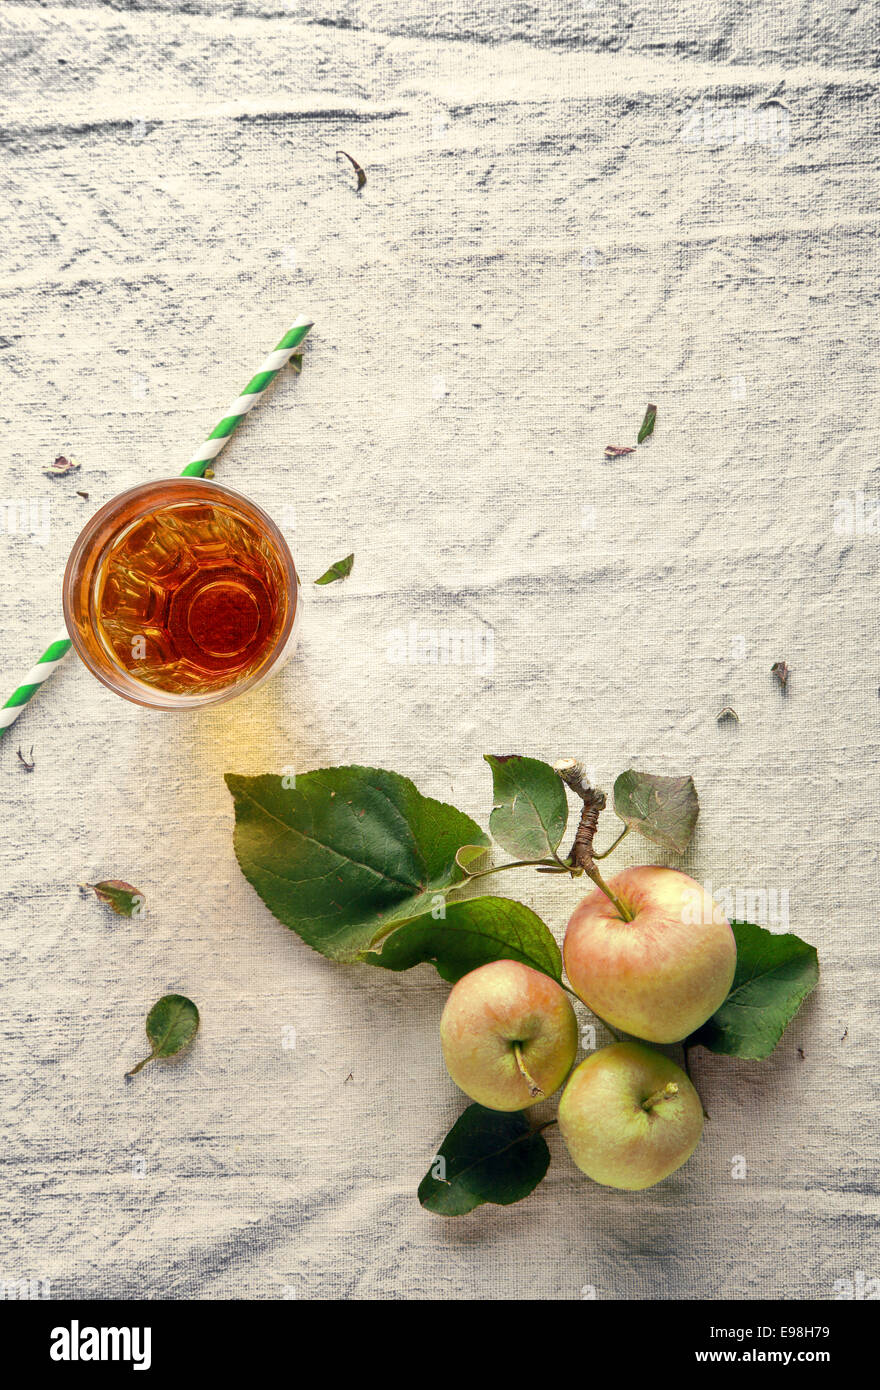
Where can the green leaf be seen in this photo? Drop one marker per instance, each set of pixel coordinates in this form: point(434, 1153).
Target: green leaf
point(469, 856)
point(531, 810)
point(346, 853)
point(487, 1156)
point(648, 424)
point(172, 1022)
point(774, 975)
point(339, 570)
point(124, 900)
point(663, 809)
point(473, 932)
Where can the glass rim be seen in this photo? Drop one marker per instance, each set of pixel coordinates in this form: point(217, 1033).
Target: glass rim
point(78, 571)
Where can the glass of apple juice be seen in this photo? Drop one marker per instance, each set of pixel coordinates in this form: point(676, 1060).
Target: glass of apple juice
point(181, 593)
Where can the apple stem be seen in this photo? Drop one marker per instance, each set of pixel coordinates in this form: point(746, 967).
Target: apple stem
point(534, 1088)
point(599, 881)
point(665, 1093)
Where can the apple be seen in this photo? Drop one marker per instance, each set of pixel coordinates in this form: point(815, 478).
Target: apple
point(509, 1035)
point(629, 1116)
point(665, 972)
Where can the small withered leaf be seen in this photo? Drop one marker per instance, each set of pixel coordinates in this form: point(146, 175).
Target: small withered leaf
point(27, 762)
point(124, 900)
point(780, 670)
point(172, 1023)
point(615, 451)
point(61, 466)
point(361, 176)
point(727, 713)
point(648, 423)
point(341, 569)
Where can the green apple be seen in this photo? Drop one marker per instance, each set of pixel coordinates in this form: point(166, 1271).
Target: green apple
point(629, 1116)
point(509, 1035)
point(661, 975)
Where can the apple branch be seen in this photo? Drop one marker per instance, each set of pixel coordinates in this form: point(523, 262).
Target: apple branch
point(581, 857)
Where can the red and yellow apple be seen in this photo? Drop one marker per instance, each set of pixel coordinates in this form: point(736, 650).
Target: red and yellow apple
point(629, 1116)
point(509, 1035)
point(661, 975)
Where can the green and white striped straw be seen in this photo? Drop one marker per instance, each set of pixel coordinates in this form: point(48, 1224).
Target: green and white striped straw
point(51, 658)
point(254, 391)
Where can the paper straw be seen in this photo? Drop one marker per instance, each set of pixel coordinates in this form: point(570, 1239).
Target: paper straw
point(256, 388)
point(52, 657)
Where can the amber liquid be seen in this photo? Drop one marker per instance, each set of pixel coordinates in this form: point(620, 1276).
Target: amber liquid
point(191, 598)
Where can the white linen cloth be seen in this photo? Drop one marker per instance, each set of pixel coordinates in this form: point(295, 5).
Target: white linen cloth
point(570, 211)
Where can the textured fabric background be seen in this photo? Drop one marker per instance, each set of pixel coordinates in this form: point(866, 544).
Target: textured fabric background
point(572, 209)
